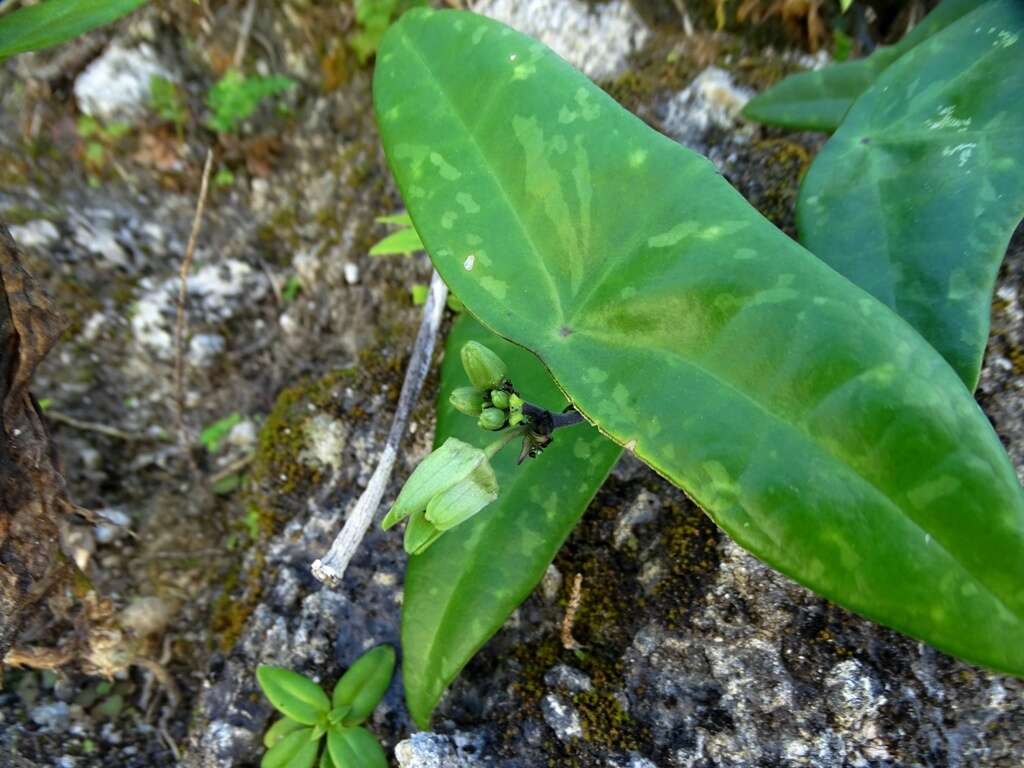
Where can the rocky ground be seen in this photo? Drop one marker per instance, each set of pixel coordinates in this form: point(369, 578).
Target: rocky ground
point(694, 653)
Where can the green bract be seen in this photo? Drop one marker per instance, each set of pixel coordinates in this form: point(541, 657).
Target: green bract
point(34, 27)
point(449, 486)
point(810, 421)
point(460, 591)
point(819, 101)
point(916, 196)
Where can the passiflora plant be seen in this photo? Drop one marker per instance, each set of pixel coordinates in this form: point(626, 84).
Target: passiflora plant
point(811, 400)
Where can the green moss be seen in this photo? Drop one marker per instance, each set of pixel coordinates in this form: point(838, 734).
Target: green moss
point(605, 722)
point(276, 468)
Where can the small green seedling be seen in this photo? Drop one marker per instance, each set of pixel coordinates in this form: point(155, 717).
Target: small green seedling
point(215, 434)
point(235, 97)
point(295, 740)
point(167, 103)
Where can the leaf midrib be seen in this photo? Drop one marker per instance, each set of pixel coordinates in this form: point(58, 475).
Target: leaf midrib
point(499, 183)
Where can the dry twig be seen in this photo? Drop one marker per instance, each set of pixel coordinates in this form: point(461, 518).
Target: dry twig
point(568, 641)
point(181, 323)
point(244, 33)
point(92, 426)
point(331, 567)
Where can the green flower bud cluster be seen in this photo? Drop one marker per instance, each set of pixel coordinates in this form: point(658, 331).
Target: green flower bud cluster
point(491, 398)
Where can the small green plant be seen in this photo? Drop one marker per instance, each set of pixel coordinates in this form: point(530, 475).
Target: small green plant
point(167, 102)
point(235, 97)
point(815, 402)
point(98, 139)
point(373, 18)
point(212, 436)
point(292, 287)
point(296, 740)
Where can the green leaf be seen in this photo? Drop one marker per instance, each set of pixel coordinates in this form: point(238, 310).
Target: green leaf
point(365, 683)
point(34, 27)
point(402, 242)
point(292, 694)
point(460, 591)
point(212, 436)
point(279, 730)
point(325, 759)
point(916, 196)
point(811, 422)
point(397, 219)
point(819, 100)
point(355, 748)
point(295, 750)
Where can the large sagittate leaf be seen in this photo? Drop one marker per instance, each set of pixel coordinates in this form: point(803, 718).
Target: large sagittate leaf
point(460, 591)
point(811, 422)
point(819, 100)
point(55, 21)
point(917, 195)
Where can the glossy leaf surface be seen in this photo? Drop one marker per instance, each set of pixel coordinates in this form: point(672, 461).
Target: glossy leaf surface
point(296, 750)
point(819, 100)
point(810, 421)
point(355, 748)
point(364, 683)
point(292, 694)
point(279, 730)
point(460, 591)
point(916, 196)
point(34, 27)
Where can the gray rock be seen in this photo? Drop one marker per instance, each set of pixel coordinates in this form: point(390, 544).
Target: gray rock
point(561, 717)
point(568, 679)
point(116, 85)
point(117, 524)
point(433, 750)
point(203, 348)
point(54, 716)
point(712, 101)
point(35, 234)
point(595, 38)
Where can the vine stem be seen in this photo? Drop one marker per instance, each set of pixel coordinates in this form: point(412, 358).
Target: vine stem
point(502, 441)
point(331, 567)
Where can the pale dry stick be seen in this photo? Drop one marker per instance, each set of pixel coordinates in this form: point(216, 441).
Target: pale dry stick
point(244, 32)
point(181, 322)
point(568, 641)
point(331, 567)
point(92, 426)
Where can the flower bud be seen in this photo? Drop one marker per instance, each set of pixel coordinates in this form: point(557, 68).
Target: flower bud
point(499, 398)
point(492, 419)
point(467, 400)
point(485, 369)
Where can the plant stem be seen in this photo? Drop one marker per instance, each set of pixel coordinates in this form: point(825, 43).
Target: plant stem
point(331, 567)
point(544, 422)
point(502, 441)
